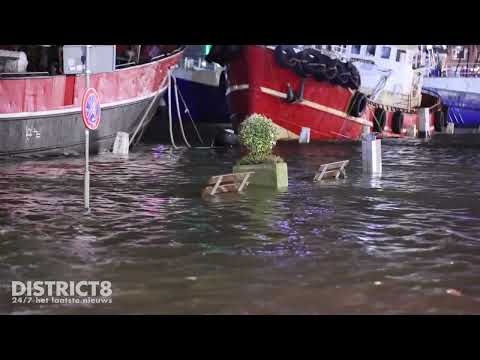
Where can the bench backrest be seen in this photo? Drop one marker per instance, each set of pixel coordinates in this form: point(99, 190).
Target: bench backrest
point(227, 183)
point(329, 170)
point(227, 178)
point(334, 165)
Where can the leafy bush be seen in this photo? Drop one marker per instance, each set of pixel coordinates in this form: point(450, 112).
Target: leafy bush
point(259, 135)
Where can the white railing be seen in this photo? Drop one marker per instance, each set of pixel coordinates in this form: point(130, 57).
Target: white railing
point(456, 70)
point(198, 63)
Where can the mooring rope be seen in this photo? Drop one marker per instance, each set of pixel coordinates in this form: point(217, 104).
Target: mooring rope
point(170, 108)
point(145, 116)
point(180, 120)
point(187, 110)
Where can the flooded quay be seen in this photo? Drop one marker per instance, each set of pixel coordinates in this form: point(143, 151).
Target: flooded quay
point(405, 243)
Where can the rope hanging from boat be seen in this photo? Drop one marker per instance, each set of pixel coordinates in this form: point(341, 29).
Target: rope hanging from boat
point(187, 111)
point(141, 125)
point(178, 95)
point(170, 108)
point(380, 85)
point(180, 120)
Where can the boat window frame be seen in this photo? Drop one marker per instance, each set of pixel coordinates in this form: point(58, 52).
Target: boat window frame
point(457, 50)
point(399, 58)
point(369, 47)
point(382, 53)
point(355, 47)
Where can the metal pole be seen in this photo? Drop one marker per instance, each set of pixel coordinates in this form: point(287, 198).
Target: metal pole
point(87, 134)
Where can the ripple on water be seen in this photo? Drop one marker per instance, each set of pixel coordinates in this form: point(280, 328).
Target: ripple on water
point(393, 244)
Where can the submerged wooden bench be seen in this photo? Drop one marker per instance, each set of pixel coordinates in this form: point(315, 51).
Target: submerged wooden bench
point(331, 170)
point(227, 183)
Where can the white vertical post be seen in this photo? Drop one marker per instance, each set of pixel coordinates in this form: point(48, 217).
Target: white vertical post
point(365, 131)
point(424, 122)
point(450, 129)
point(87, 134)
point(304, 136)
point(372, 155)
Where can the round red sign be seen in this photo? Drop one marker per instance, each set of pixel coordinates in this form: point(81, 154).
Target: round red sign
point(91, 111)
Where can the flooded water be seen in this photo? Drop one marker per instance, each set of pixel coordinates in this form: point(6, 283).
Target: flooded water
point(405, 243)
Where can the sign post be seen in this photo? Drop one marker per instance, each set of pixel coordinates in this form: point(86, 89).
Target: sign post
point(86, 187)
point(91, 113)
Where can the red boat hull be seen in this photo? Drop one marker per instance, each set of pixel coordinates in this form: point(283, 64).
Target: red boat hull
point(257, 84)
point(43, 115)
point(409, 119)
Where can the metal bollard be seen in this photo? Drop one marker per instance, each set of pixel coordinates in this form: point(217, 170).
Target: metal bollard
point(412, 131)
point(450, 129)
point(372, 155)
point(121, 144)
point(424, 123)
point(304, 136)
point(366, 131)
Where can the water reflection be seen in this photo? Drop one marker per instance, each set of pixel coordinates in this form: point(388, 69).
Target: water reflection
point(389, 244)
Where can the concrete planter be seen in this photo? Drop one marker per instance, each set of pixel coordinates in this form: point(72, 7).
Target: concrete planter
point(272, 175)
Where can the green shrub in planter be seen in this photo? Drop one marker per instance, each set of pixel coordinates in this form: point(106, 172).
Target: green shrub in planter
point(259, 135)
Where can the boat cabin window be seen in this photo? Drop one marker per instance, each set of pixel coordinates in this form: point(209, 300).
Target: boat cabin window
point(31, 60)
point(401, 56)
point(130, 55)
point(342, 49)
point(356, 49)
point(460, 53)
point(371, 50)
point(386, 50)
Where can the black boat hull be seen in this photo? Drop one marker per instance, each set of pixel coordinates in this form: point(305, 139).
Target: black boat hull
point(63, 132)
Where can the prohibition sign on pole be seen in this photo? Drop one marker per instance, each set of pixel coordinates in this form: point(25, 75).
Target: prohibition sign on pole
point(91, 111)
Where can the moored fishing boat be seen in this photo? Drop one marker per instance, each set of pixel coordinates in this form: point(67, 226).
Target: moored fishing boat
point(335, 91)
point(272, 81)
point(40, 113)
point(454, 75)
point(392, 77)
point(202, 87)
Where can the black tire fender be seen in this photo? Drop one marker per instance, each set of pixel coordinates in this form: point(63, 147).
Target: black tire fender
point(358, 104)
point(438, 121)
point(397, 122)
point(343, 75)
point(283, 55)
point(331, 69)
point(354, 82)
point(380, 120)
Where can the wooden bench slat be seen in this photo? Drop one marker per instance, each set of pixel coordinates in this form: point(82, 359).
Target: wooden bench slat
point(230, 178)
point(329, 170)
point(330, 174)
point(227, 183)
point(224, 188)
point(335, 165)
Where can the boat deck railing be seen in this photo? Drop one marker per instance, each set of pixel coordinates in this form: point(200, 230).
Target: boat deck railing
point(124, 65)
point(155, 58)
point(198, 63)
point(23, 74)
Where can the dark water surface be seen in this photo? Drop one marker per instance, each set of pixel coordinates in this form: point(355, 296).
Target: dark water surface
point(393, 245)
